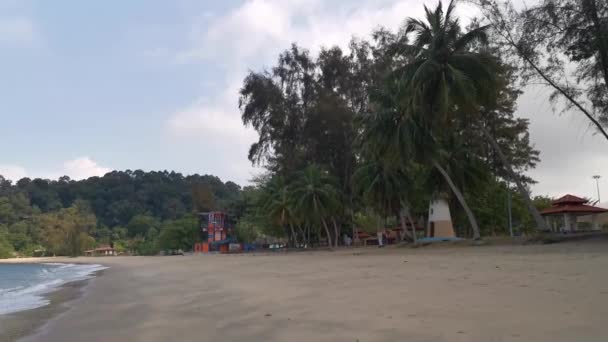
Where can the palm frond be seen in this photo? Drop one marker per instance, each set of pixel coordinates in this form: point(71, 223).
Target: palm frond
point(477, 35)
point(450, 11)
point(415, 25)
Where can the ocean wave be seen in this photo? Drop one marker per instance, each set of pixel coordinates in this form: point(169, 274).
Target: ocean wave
point(21, 298)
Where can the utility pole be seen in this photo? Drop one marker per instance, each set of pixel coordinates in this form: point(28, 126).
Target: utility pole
point(597, 184)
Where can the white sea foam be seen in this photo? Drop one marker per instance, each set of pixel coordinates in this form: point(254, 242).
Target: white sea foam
point(30, 295)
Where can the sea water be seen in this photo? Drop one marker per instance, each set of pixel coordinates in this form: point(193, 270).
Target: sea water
point(22, 286)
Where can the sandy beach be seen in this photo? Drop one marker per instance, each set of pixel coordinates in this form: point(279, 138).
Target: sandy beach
point(489, 293)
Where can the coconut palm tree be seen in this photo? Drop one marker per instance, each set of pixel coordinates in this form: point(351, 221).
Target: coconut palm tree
point(447, 75)
point(383, 187)
point(314, 196)
point(275, 202)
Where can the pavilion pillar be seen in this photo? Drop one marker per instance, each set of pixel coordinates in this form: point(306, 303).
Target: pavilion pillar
point(566, 223)
point(555, 225)
point(594, 224)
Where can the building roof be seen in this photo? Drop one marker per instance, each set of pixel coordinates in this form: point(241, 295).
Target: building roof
point(101, 248)
point(573, 208)
point(572, 204)
point(569, 199)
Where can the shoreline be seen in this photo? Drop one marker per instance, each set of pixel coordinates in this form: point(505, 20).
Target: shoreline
point(22, 324)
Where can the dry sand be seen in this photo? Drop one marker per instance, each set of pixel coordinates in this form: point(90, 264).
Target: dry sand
point(513, 293)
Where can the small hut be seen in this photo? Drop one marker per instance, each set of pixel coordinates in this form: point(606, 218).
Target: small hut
point(103, 250)
point(563, 214)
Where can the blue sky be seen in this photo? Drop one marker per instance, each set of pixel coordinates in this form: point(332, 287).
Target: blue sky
point(89, 86)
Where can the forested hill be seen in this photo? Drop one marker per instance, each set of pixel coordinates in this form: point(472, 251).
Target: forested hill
point(139, 211)
point(119, 195)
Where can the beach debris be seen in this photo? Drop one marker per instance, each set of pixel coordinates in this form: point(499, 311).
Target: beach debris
point(268, 315)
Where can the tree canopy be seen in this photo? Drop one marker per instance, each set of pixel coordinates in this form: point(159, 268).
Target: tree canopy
point(394, 121)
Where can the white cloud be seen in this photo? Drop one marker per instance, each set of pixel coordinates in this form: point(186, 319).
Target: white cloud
point(17, 30)
point(79, 168)
point(12, 172)
point(83, 167)
point(216, 118)
point(215, 127)
point(259, 29)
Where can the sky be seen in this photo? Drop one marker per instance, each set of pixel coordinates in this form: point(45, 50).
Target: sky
point(89, 87)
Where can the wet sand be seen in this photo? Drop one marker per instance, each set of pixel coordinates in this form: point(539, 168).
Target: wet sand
point(20, 324)
point(488, 293)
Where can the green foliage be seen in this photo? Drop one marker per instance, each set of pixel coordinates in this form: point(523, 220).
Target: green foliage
point(141, 246)
point(20, 236)
point(140, 225)
point(202, 198)
point(177, 234)
point(366, 222)
point(382, 186)
point(247, 230)
point(66, 232)
point(526, 221)
point(314, 194)
point(124, 208)
point(118, 196)
point(120, 246)
point(6, 249)
point(394, 122)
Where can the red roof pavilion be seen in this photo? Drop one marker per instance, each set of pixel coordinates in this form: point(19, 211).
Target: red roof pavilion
point(571, 206)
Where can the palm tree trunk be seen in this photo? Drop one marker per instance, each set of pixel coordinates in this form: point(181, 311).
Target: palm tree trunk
point(404, 227)
point(460, 197)
point(293, 235)
point(522, 190)
point(352, 220)
point(336, 232)
point(409, 218)
point(302, 233)
point(329, 244)
point(289, 237)
point(308, 235)
point(379, 229)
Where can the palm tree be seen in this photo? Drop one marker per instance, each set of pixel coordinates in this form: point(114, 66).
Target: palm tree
point(315, 197)
point(275, 202)
point(446, 76)
point(382, 186)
